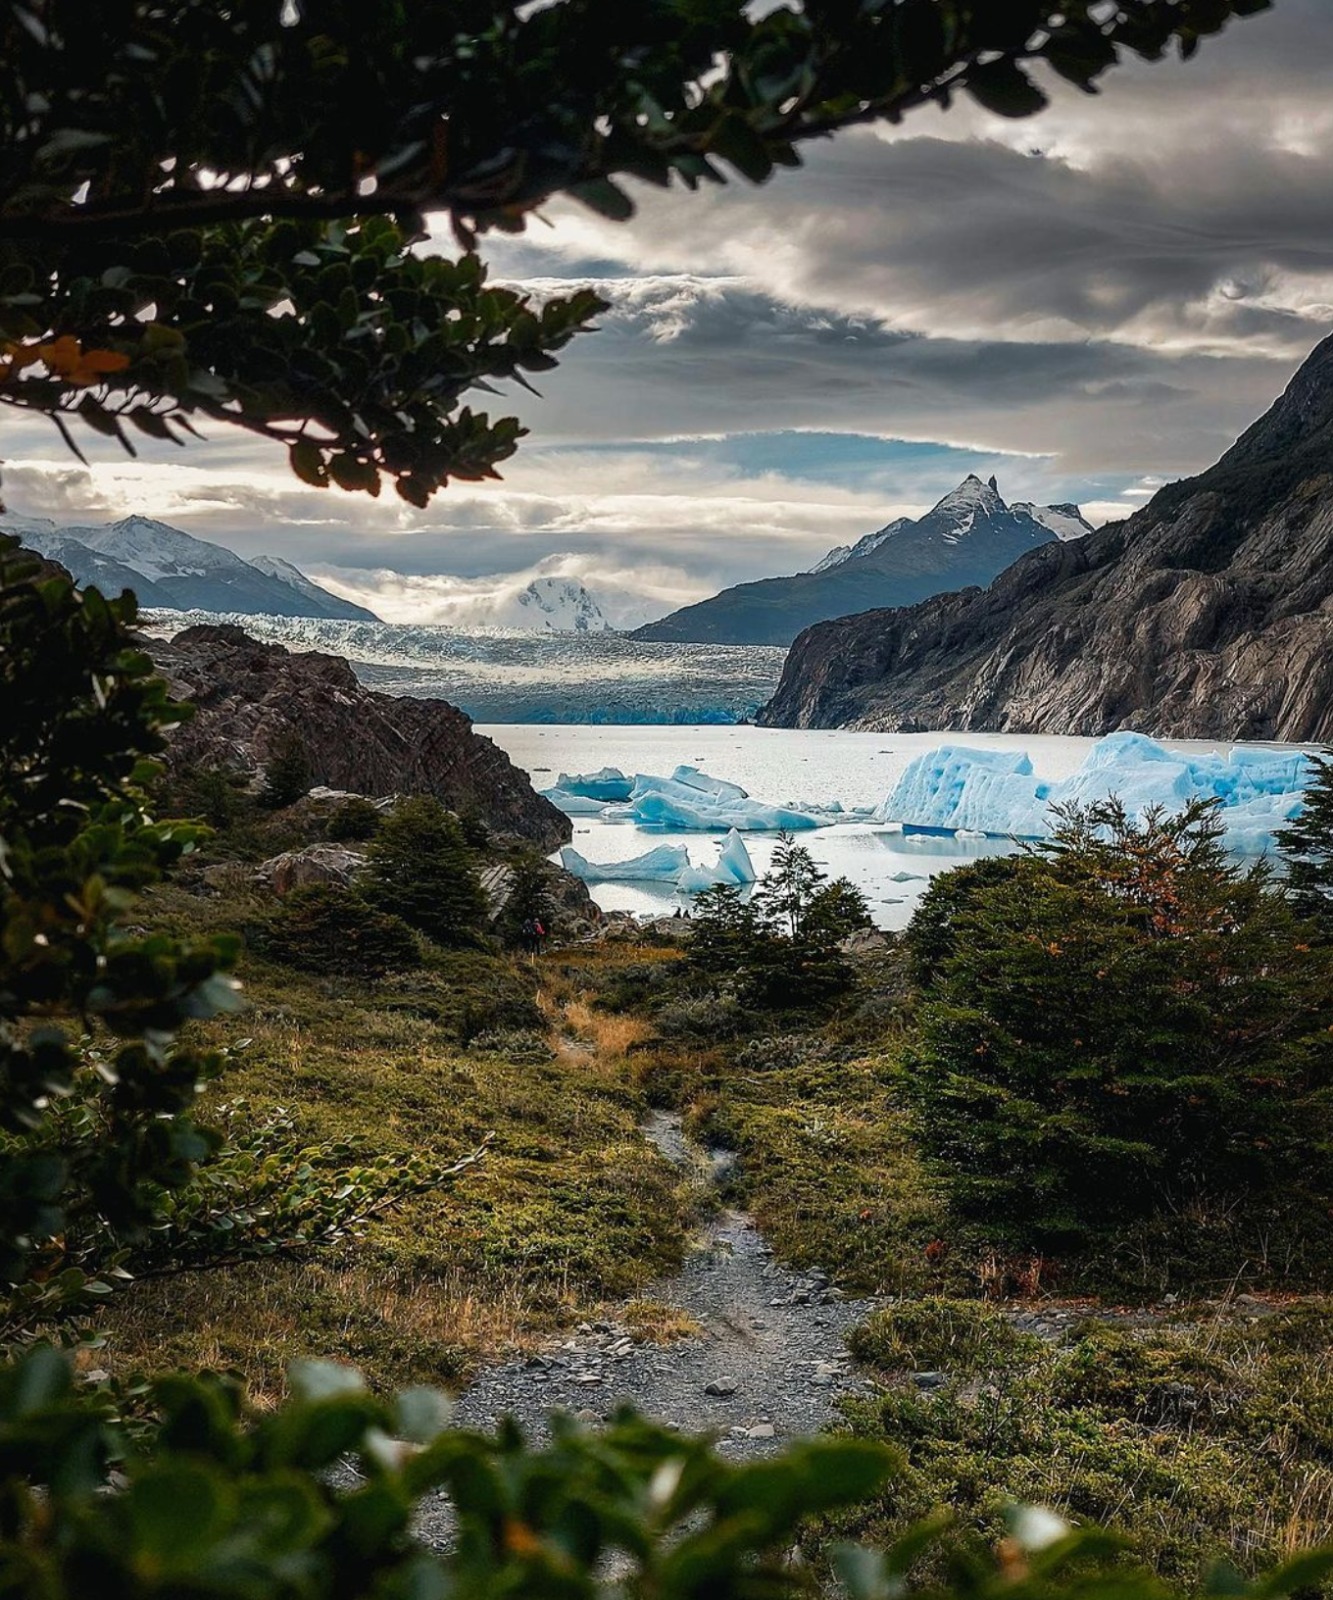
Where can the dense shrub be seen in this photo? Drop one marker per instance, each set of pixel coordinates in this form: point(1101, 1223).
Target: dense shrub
point(324, 927)
point(1122, 1021)
point(939, 1335)
point(354, 820)
point(781, 947)
point(420, 869)
point(288, 774)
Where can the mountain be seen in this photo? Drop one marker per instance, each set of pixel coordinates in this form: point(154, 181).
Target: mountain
point(552, 605)
point(967, 538)
point(1208, 614)
point(170, 569)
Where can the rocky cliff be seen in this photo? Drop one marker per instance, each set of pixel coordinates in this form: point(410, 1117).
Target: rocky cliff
point(1208, 614)
point(254, 700)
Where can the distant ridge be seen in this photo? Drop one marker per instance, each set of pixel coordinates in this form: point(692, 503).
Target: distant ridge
point(171, 570)
point(967, 538)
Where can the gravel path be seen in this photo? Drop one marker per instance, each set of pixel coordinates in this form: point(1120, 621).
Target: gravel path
point(767, 1366)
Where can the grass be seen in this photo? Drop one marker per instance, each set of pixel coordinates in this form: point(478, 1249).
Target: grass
point(1199, 1440)
point(569, 1211)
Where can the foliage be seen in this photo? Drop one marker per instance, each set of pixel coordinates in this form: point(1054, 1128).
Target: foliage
point(1306, 843)
point(1122, 1021)
point(422, 871)
point(211, 213)
point(528, 897)
point(83, 717)
point(353, 821)
point(1199, 1442)
point(960, 1337)
point(326, 927)
point(287, 775)
point(782, 944)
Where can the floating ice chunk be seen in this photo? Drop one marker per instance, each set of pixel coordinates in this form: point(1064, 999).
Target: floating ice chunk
point(607, 783)
point(661, 865)
point(692, 778)
point(993, 791)
point(733, 867)
point(669, 803)
point(573, 805)
point(956, 789)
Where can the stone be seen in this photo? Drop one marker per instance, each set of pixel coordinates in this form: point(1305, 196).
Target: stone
point(720, 1387)
point(929, 1380)
point(761, 1430)
point(316, 863)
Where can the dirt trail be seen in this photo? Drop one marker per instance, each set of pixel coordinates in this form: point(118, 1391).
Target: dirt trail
point(766, 1367)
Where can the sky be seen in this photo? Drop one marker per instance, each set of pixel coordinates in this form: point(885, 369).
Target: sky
point(1087, 303)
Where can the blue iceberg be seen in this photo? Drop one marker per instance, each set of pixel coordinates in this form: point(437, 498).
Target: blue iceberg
point(958, 789)
point(662, 865)
point(606, 784)
point(673, 803)
point(733, 867)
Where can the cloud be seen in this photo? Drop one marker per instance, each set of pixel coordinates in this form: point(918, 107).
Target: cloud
point(1082, 302)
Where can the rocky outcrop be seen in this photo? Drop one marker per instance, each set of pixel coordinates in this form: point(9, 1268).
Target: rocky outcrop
point(1208, 614)
point(257, 701)
point(316, 863)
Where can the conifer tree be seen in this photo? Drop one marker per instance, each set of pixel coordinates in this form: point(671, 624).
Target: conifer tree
point(1306, 843)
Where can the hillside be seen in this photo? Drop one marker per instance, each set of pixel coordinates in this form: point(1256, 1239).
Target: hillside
point(1208, 614)
point(967, 538)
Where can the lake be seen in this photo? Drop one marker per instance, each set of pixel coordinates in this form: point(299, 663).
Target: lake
point(784, 767)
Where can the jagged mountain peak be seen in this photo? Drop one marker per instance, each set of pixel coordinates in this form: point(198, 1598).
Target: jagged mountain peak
point(972, 495)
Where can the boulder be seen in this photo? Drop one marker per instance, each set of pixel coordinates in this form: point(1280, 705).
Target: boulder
point(254, 701)
point(316, 863)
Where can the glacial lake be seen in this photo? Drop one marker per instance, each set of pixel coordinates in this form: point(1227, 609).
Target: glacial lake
point(781, 766)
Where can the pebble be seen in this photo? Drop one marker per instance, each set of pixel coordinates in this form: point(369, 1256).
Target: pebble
point(720, 1386)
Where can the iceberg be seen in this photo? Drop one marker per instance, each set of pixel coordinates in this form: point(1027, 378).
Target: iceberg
point(606, 784)
point(733, 867)
point(661, 865)
point(955, 789)
point(672, 803)
point(573, 805)
point(692, 778)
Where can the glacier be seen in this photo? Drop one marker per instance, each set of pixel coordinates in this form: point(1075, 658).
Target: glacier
point(957, 789)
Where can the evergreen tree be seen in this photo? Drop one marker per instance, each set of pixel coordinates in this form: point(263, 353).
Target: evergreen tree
point(422, 871)
point(1123, 1020)
point(287, 774)
point(1306, 843)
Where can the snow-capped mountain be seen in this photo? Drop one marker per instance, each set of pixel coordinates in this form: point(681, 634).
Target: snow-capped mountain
point(561, 605)
point(966, 540)
point(960, 509)
point(170, 569)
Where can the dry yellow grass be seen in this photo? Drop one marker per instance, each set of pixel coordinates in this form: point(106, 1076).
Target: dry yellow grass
point(658, 1322)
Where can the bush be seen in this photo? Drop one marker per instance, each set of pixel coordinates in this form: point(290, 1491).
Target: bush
point(702, 1020)
point(952, 1336)
point(1121, 1022)
point(323, 927)
point(287, 774)
point(353, 820)
point(421, 870)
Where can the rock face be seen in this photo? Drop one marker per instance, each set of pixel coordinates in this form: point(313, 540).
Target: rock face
point(967, 538)
point(1208, 614)
point(254, 700)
